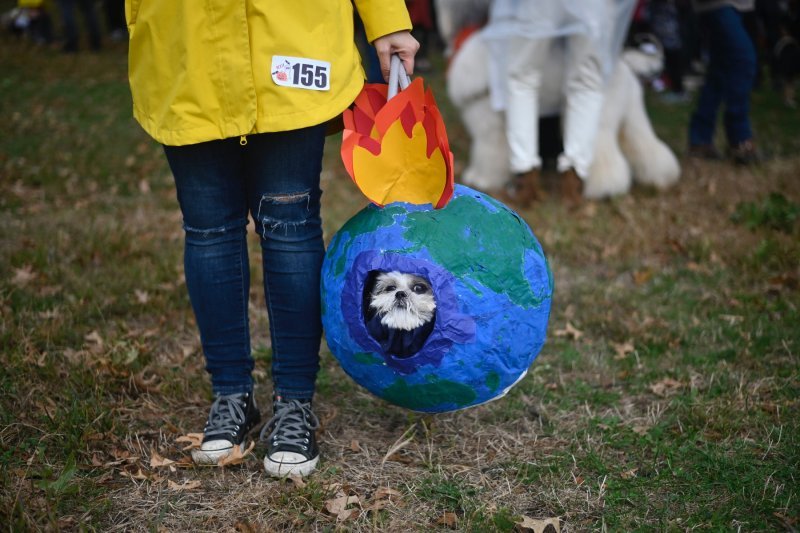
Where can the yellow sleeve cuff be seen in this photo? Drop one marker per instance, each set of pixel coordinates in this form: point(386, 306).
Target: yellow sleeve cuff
point(382, 17)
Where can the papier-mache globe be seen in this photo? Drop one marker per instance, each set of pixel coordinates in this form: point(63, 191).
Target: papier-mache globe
point(487, 272)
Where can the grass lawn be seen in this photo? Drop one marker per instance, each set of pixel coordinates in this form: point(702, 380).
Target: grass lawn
point(666, 396)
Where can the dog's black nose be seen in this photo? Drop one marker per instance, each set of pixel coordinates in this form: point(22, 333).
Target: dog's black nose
point(399, 295)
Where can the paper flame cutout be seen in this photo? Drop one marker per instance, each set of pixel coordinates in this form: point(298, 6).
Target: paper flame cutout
point(397, 151)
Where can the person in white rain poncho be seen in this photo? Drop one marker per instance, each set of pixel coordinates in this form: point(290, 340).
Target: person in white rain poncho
point(520, 35)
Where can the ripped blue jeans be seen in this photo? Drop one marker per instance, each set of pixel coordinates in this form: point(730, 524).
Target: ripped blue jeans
point(275, 178)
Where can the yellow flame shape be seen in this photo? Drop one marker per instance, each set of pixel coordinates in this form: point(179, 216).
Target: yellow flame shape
point(402, 172)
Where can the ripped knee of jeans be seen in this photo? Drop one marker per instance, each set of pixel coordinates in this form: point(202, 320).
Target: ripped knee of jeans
point(213, 235)
point(285, 214)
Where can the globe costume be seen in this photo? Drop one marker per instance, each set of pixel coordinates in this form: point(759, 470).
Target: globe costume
point(487, 272)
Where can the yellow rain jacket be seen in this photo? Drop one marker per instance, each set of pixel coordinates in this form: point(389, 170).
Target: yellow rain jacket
point(213, 69)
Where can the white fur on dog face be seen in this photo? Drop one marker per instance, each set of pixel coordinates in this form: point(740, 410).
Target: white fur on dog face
point(403, 301)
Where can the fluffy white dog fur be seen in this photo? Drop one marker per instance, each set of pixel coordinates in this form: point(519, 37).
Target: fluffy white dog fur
point(403, 301)
point(626, 148)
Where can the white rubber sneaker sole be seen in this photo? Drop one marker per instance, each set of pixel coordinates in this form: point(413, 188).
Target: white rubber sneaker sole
point(283, 464)
point(212, 451)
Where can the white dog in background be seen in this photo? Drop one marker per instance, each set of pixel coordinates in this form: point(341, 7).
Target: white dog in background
point(626, 147)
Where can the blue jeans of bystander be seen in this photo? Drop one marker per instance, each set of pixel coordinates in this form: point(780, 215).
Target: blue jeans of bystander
point(274, 177)
point(729, 79)
point(87, 9)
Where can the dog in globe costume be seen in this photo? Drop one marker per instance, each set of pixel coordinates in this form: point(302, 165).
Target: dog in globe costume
point(487, 273)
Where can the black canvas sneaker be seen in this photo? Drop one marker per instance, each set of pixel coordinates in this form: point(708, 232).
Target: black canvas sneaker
point(231, 418)
point(291, 440)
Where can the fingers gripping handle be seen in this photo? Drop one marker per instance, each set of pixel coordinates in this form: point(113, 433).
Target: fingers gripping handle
point(398, 79)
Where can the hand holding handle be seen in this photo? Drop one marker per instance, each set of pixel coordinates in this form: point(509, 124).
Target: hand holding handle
point(398, 79)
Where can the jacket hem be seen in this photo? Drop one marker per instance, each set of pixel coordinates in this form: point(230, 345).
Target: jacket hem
point(264, 123)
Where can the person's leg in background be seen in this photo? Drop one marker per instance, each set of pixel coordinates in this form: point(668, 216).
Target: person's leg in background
point(522, 115)
point(70, 28)
point(704, 118)
point(213, 199)
point(421, 13)
point(752, 23)
point(740, 72)
point(584, 87)
point(674, 66)
point(115, 19)
point(667, 28)
point(92, 24)
point(283, 186)
point(730, 77)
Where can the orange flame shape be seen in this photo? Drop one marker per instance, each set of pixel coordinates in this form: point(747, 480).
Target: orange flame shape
point(397, 151)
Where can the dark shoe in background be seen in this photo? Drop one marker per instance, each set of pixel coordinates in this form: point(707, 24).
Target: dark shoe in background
point(704, 151)
point(571, 188)
point(527, 188)
point(745, 153)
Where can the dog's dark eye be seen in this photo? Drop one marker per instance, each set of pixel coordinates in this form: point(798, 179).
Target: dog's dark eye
point(390, 288)
point(419, 288)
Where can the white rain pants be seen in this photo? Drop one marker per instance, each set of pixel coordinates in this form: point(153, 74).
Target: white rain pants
point(524, 37)
point(583, 95)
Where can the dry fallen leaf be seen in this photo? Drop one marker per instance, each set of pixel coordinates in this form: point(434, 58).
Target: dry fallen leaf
point(49, 314)
point(186, 485)
point(377, 505)
point(120, 454)
point(23, 276)
point(347, 515)
point(244, 527)
point(629, 473)
point(95, 340)
point(355, 446)
point(338, 506)
point(141, 296)
point(138, 475)
point(382, 498)
point(399, 458)
point(187, 350)
point(146, 384)
point(238, 456)
point(569, 331)
point(385, 492)
point(297, 481)
point(194, 440)
point(544, 525)
point(448, 520)
point(622, 349)
point(333, 488)
point(640, 277)
point(665, 386)
point(156, 460)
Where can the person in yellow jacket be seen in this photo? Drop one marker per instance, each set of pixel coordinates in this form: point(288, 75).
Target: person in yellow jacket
point(239, 93)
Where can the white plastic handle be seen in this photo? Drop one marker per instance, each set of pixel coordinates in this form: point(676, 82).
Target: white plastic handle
point(398, 79)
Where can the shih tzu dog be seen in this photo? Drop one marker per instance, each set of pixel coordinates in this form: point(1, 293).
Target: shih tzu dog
point(401, 312)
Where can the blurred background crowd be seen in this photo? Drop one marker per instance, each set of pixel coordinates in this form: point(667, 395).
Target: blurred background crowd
point(669, 27)
point(773, 25)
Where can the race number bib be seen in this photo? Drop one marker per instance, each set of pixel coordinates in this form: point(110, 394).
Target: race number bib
point(301, 73)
